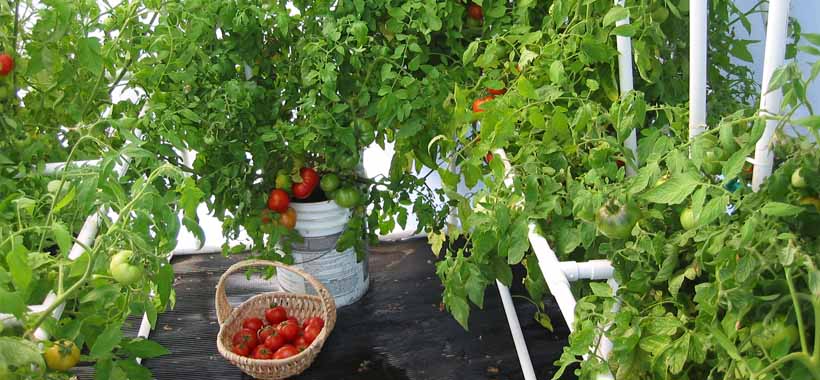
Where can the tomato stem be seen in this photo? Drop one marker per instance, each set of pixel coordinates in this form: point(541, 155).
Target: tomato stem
point(798, 312)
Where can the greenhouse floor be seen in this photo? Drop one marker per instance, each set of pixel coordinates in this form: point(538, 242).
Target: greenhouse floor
point(396, 331)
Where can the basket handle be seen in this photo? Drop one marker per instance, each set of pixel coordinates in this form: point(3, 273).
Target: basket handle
point(223, 308)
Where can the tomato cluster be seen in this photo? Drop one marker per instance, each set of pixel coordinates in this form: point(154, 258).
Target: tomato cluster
point(278, 336)
point(306, 182)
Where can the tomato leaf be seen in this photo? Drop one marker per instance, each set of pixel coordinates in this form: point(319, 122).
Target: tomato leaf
point(19, 352)
point(780, 209)
point(144, 348)
point(673, 191)
point(615, 13)
point(12, 302)
point(104, 344)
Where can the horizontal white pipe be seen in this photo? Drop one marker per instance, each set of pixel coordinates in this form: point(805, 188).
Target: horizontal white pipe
point(58, 167)
point(515, 330)
point(589, 270)
point(698, 13)
point(770, 100)
point(556, 281)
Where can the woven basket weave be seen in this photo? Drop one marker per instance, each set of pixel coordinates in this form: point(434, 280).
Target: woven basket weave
point(301, 306)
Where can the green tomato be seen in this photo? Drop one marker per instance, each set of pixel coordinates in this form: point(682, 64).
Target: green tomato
point(798, 181)
point(347, 197)
point(711, 163)
point(615, 220)
point(122, 270)
point(687, 219)
point(777, 335)
point(283, 180)
point(329, 183)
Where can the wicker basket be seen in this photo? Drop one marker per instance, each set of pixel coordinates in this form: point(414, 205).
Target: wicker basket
point(300, 306)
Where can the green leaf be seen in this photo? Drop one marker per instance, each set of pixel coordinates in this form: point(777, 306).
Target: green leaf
point(527, 56)
point(460, 309)
point(724, 342)
point(713, 210)
point(525, 88)
point(626, 30)
point(62, 237)
point(519, 241)
point(19, 352)
point(190, 115)
point(472, 174)
point(809, 121)
point(88, 55)
point(557, 72)
point(814, 38)
point(19, 266)
point(673, 191)
point(106, 341)
point(146, 349)
point(165, 283)
point(614, 14)
point(12, 302)
point(133, 370)
point(780, 209)
point(66, 199)
point(469, 53)
point(600, 289)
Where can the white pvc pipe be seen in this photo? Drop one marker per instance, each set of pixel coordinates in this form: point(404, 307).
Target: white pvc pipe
point(515, 330)
point(556, 281)
point(590, 270)
point(770, 100)
point(625, 72)
point(697, 66)
point(57, 167)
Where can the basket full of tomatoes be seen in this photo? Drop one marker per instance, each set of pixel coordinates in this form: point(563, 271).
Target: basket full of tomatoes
point(263, 335)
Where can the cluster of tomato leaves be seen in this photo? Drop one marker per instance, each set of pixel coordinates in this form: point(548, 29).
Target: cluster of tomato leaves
point(281, 338)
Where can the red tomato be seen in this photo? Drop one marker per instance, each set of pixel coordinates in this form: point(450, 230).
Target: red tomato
point(620, 163)
point(252, 324)
point(301, 343)
point(276, 315)
point(493, 91)
point(311, 332)
point(265, 332)
point(489, 157)
point(6, 64)
point(288, 330)
point(310, 177)
point(318, 321)
point(278, 200)
point(241, 349)
point(274, 341)
point(478, 102)
point(285, 352)
point(301, 190)
point(265, 215)
point(246, 336)
point(475, 12)
point(262, 352)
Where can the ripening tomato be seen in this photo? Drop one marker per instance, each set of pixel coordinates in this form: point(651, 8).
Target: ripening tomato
point(283, 180)
point(311, 332)
point(285, 352)
point(475, 11)
point(278, 200)
point(489, 157)
point(616, 220)
point(263, 353)
point(252, 324)
point(62, 355)
point(494, 91)
point(288, 218)
point(241, 349)
point(265, 332)
point(309, 176)
point(265, 216)
point(288, 330)
point(478, 102)
point(246, 336)
point(6, 64)
point(274, 341)
point(318, 321)
point(276, 315)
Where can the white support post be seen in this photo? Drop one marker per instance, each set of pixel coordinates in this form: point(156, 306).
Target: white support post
point(697, 66)
point(770, 100)
point(625, 73)
point(556, 281)
point(515, 330)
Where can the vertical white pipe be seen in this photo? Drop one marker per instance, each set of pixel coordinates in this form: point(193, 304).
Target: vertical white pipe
point(697, 66)
point(515, 330)
point(625, 72)
point(770, 100)
point(556, 281)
